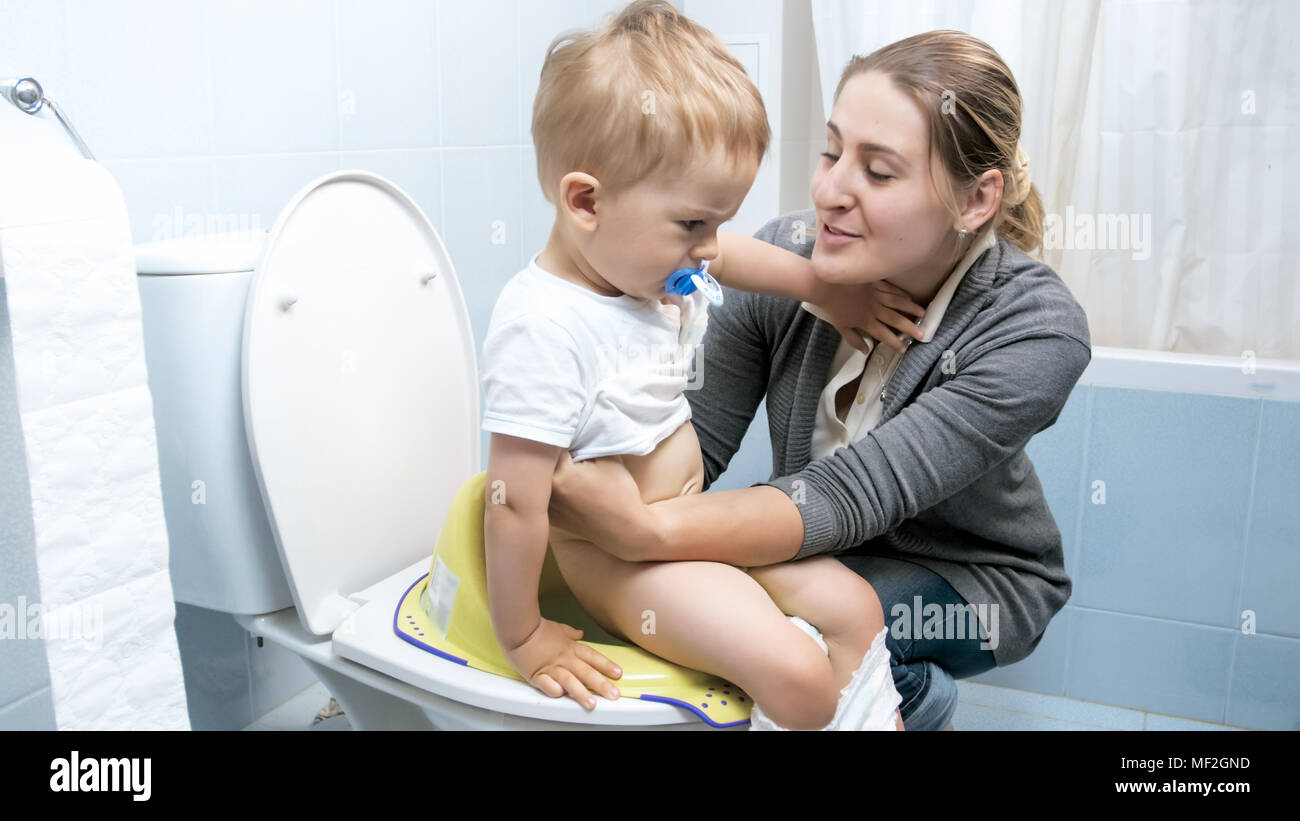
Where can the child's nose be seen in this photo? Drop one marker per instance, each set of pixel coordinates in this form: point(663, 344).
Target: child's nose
point(705, 250)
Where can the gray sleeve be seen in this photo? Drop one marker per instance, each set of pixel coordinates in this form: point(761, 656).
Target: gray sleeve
point(943, 441)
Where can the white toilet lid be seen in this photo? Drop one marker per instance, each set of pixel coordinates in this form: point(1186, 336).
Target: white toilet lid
point(360, 396)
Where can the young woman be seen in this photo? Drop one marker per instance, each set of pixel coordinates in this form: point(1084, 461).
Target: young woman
point(907, 463)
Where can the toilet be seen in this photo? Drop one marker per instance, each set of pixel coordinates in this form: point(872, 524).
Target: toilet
point(316, 402)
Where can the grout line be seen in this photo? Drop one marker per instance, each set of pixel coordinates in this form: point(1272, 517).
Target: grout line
point(1245, 548)
point(1082, 490)
point(1063, 698)
point(324, 153)
point(1052, 718)
point(442, 118)
point(338, 85)
point(248, 669)
point(210, 201)
point(519, 128)
point(1146, 714)
point(1181, 622)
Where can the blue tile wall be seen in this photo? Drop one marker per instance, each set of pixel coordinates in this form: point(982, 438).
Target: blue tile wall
point(1265, 688)
point(1200, 523)
point(1057, 454)
point(1043, 671)
point(1170, 537)
point(1273, 545)
point(1149, 664)
point(32, 712)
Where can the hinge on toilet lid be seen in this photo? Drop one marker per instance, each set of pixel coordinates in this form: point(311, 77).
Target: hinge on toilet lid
point(337, 612)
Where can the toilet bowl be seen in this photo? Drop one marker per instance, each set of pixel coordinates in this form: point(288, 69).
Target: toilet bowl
point(316, 402)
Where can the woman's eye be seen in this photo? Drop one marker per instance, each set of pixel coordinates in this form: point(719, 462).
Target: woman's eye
point(880, 177)
point(691, 225)
point(832, 157)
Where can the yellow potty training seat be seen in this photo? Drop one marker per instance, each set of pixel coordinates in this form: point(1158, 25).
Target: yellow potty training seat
point(446, 613)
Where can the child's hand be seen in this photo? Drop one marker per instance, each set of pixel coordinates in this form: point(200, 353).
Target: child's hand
point(552, 660)
point(874, 309)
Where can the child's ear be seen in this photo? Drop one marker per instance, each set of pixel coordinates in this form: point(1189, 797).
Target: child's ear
point(579, 196)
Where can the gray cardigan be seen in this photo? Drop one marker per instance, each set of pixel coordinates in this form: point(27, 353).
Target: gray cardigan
point(943, 480)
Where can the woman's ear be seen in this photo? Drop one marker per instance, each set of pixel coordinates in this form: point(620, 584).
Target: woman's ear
point(579, 199)
point(982, 200)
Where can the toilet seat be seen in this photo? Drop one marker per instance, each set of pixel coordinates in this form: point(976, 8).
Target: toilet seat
point(354, 311)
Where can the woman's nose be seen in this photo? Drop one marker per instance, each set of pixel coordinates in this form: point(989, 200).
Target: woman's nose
point(829, 191)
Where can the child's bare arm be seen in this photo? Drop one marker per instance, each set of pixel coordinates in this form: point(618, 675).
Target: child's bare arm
point(750, 264)
point(876, 309)
point(516, 529)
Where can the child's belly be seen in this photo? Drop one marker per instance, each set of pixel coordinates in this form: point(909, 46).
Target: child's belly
point(674, 468)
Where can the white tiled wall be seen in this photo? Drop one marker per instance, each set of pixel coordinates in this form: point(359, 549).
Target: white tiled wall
point(224, 107)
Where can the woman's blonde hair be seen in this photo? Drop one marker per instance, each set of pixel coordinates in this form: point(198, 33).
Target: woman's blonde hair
point(972, 103)
point(636, 94)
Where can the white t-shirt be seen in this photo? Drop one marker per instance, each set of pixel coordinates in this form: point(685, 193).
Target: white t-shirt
point(597, 375)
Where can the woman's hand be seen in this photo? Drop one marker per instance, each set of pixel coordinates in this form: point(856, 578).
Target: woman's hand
point(597, 500)
point(872, 309)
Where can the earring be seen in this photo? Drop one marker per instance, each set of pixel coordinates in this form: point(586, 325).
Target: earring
point(961, 234)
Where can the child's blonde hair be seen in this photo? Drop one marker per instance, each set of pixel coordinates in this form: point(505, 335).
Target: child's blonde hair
point(631, 97)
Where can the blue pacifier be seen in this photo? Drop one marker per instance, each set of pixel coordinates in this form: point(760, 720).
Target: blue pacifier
point(685, 280)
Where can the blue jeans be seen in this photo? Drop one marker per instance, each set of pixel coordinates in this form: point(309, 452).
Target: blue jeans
point(924, 668)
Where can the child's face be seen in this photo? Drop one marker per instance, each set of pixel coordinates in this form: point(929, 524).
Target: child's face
point(648, 231)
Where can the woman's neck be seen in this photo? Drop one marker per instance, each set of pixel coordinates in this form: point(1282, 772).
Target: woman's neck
point(923, 284)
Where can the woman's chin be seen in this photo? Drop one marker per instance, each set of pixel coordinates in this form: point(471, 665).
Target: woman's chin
point(835, 271)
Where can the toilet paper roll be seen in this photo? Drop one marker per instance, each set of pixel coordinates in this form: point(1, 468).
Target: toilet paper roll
point(106, 609)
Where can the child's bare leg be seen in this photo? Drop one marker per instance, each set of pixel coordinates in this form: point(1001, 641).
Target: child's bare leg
point(835, 600)
point(711, 617)
point(832, 598)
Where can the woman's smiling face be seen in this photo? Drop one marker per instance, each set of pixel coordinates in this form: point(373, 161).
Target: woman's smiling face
point(878, 215)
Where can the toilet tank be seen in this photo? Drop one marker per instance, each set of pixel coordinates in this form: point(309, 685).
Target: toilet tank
point(193, 293)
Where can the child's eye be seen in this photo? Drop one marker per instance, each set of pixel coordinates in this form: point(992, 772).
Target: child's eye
point(691, 225)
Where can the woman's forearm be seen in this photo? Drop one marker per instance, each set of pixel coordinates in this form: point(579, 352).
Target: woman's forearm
point(750, 527)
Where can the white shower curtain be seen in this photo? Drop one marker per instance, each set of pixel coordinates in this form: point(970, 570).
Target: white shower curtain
point(1162, 138)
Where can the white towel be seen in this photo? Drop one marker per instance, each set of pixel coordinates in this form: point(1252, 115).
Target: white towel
point(87, 419)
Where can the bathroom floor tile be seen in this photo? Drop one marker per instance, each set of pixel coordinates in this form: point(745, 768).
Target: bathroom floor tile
point(1056, 707)
point(1159, 722)
point(979, 717)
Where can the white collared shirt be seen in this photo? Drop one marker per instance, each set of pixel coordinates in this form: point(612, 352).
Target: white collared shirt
point(866, 408)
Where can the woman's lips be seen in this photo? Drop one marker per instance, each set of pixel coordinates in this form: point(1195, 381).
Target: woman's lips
point(830, 237)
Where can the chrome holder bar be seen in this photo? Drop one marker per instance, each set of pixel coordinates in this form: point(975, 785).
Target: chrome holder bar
point(27, 96)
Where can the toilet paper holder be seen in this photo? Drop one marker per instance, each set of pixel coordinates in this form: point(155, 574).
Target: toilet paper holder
point(27, 96)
